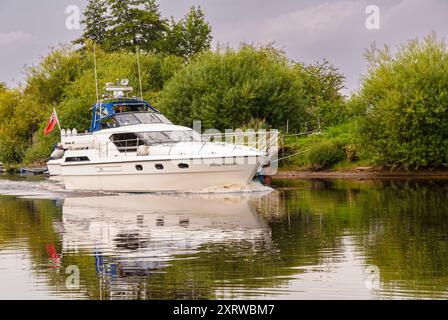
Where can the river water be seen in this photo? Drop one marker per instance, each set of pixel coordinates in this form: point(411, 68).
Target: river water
point(316, 239)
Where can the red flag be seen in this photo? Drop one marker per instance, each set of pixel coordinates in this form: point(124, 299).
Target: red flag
point(51, 123)
point(54, 256)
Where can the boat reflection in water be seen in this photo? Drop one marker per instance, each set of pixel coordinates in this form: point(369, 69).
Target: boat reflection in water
point(306, 240)
point(139, 235)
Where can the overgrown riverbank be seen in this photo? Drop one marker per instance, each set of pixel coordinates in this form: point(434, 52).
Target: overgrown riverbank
point(397, 120)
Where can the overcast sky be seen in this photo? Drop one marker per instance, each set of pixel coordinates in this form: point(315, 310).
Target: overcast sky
point(307, 30)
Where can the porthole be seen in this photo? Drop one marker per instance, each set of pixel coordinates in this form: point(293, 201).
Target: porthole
point(139, 167)
point(183, 166)
point(159, 166)
point(184, 222)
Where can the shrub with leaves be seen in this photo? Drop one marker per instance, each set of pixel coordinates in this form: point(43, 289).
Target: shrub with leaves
point(405, 100)
point(227, 89)
point(322, 84)
point(325, 154)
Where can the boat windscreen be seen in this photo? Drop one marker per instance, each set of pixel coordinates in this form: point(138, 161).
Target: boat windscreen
point(167, 136)
point(146, 117)
point(163, 118)
point(125, 119)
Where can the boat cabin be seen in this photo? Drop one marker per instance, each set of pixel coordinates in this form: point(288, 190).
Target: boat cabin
point(126, 119)
point(119, 110)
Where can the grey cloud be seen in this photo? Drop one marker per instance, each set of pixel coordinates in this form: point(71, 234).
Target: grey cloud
point(13, 37)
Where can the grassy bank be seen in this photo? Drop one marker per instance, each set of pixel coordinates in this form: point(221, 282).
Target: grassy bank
point(335, 149)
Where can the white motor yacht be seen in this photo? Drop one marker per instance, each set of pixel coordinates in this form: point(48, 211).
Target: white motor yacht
point(132, 147)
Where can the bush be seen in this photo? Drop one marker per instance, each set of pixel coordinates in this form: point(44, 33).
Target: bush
point(345, 135)
point(40, 152)
point(11, 150)
point(405, 100)
point(226, 89)
point(325, 154)
point(322, 85)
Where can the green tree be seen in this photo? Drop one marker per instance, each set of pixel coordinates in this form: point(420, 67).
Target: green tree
point(96, 22)
point(13, 131)
point(188, 36)
point(323, 84)
point(127, 24)
point(227, 89)
point(405, 98)
point(135, 23)
point(47, 81)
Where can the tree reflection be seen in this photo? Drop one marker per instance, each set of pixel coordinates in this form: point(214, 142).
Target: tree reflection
point(161, 247)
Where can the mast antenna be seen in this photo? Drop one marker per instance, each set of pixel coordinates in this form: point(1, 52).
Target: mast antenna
point(96, 74)
point(139, 73)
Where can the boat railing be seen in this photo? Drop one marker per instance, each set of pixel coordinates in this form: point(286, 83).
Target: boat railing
point(266, 142)
point(123, 146)
point(262, 140)
point(127, 146)
point(74, 133)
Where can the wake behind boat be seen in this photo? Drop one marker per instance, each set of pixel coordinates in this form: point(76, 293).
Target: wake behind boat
point(133, 147)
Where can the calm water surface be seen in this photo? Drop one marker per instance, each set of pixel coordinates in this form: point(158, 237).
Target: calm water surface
point(305, 240)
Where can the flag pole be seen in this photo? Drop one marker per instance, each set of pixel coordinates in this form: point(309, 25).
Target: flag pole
point(59, 125)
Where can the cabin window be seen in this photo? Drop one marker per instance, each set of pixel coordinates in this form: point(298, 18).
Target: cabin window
point(126, 142)
point(129, 142)
point(126, 108)
point(156, 137)
point(159, 166)
point(139, 167)
point(76, 159)
point(183, 166)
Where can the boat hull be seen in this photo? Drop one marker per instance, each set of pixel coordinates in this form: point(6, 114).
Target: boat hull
point(54, 167)
point(124, 177)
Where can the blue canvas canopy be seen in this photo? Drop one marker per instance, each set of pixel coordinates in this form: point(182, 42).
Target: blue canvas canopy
point(104, 110)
